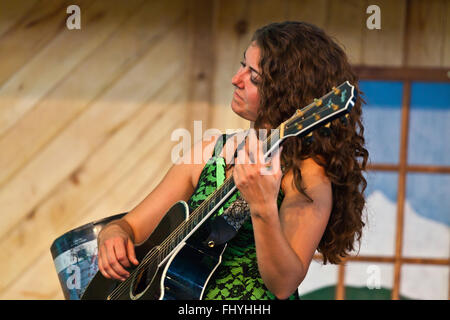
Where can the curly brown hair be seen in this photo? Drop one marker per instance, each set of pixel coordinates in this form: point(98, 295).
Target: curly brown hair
point(300, 62)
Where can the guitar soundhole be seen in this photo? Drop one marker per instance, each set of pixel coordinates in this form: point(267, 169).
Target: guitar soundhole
point(142, 281)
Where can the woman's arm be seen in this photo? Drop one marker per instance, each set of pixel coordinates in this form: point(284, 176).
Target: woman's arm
point(116, 248)
point(285, 240)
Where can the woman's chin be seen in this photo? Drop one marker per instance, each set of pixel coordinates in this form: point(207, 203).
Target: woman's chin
point(236, 108)
point(241, 111)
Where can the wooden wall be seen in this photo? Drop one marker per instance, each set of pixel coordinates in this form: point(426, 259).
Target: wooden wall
point(86, 115)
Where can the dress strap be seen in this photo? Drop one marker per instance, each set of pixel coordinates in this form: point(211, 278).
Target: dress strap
point(220, 162)
point(220, 143)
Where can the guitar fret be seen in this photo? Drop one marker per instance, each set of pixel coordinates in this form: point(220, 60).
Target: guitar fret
point(195, 218)
point(211, 205)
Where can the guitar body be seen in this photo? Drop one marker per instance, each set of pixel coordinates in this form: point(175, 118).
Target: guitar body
point(183, 275)
point(190, 270)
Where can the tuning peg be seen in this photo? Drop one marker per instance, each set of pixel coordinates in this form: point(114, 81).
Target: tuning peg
point(318, 102)
point(325, 131)
point(344, 119)
point(308, 139)
point(334, 106)
point(336, 91)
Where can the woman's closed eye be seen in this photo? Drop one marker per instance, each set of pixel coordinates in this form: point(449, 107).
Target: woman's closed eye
point(253, 78)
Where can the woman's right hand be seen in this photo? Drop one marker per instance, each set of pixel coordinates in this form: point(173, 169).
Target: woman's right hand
point(115, 252)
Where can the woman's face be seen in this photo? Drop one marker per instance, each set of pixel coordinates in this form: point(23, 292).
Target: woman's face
point(245, 100)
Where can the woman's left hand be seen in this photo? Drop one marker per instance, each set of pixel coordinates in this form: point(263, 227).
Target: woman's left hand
point(257, 180)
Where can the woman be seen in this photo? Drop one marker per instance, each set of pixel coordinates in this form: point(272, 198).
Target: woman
point(315, 202)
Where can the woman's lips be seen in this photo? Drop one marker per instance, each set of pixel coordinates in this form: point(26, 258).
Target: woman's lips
point(236, 95)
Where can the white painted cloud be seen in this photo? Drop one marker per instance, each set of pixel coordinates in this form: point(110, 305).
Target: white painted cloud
point(422, 238)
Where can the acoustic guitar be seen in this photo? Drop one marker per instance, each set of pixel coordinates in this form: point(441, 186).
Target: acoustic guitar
point(174, 264)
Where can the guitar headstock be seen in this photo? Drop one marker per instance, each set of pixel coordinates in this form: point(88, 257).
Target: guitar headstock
point(334, 104)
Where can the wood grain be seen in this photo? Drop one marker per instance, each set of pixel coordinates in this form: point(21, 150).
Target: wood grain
point(106, 179)
point(384, 47)
point(39, 181)
point(426, 33)
point(10, 13)
point(346, 21)
point(40, 75)
point(232, 37)
point(311, 11)
point(32, 33)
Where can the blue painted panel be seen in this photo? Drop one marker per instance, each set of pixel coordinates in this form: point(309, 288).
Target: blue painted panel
point(429, 129)
point(429, 195)
point(386, 182)
point(381, 119)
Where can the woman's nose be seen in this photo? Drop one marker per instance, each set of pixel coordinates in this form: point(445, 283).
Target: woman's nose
point(237, 79)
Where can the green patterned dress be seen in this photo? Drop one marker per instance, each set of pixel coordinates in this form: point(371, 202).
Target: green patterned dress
point(237, 277)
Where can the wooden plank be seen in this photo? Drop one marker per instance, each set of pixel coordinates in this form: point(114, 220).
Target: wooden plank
point(28, 284)
point(113, 199)
point(236, 23)
point(32, 82)
point(113, 109)
point(426, 33)
point(46, 19)
point(201, 63)
point(384, 47)
point(232, 37)
point(346, 22)
point(263, 12)
point(340, 286)
point(38, 282)
point(403, 73)
point(74, 94)
point(143, 169)
point(445, 58)
point(384, 259)
point(103, 184)
point(415, 168)
point(13, 11)
point(311, 11)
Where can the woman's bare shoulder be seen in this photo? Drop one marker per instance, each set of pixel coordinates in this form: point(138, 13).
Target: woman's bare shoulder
point(313, 175)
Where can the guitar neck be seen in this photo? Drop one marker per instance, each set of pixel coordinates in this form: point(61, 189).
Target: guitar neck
point(211, 204)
